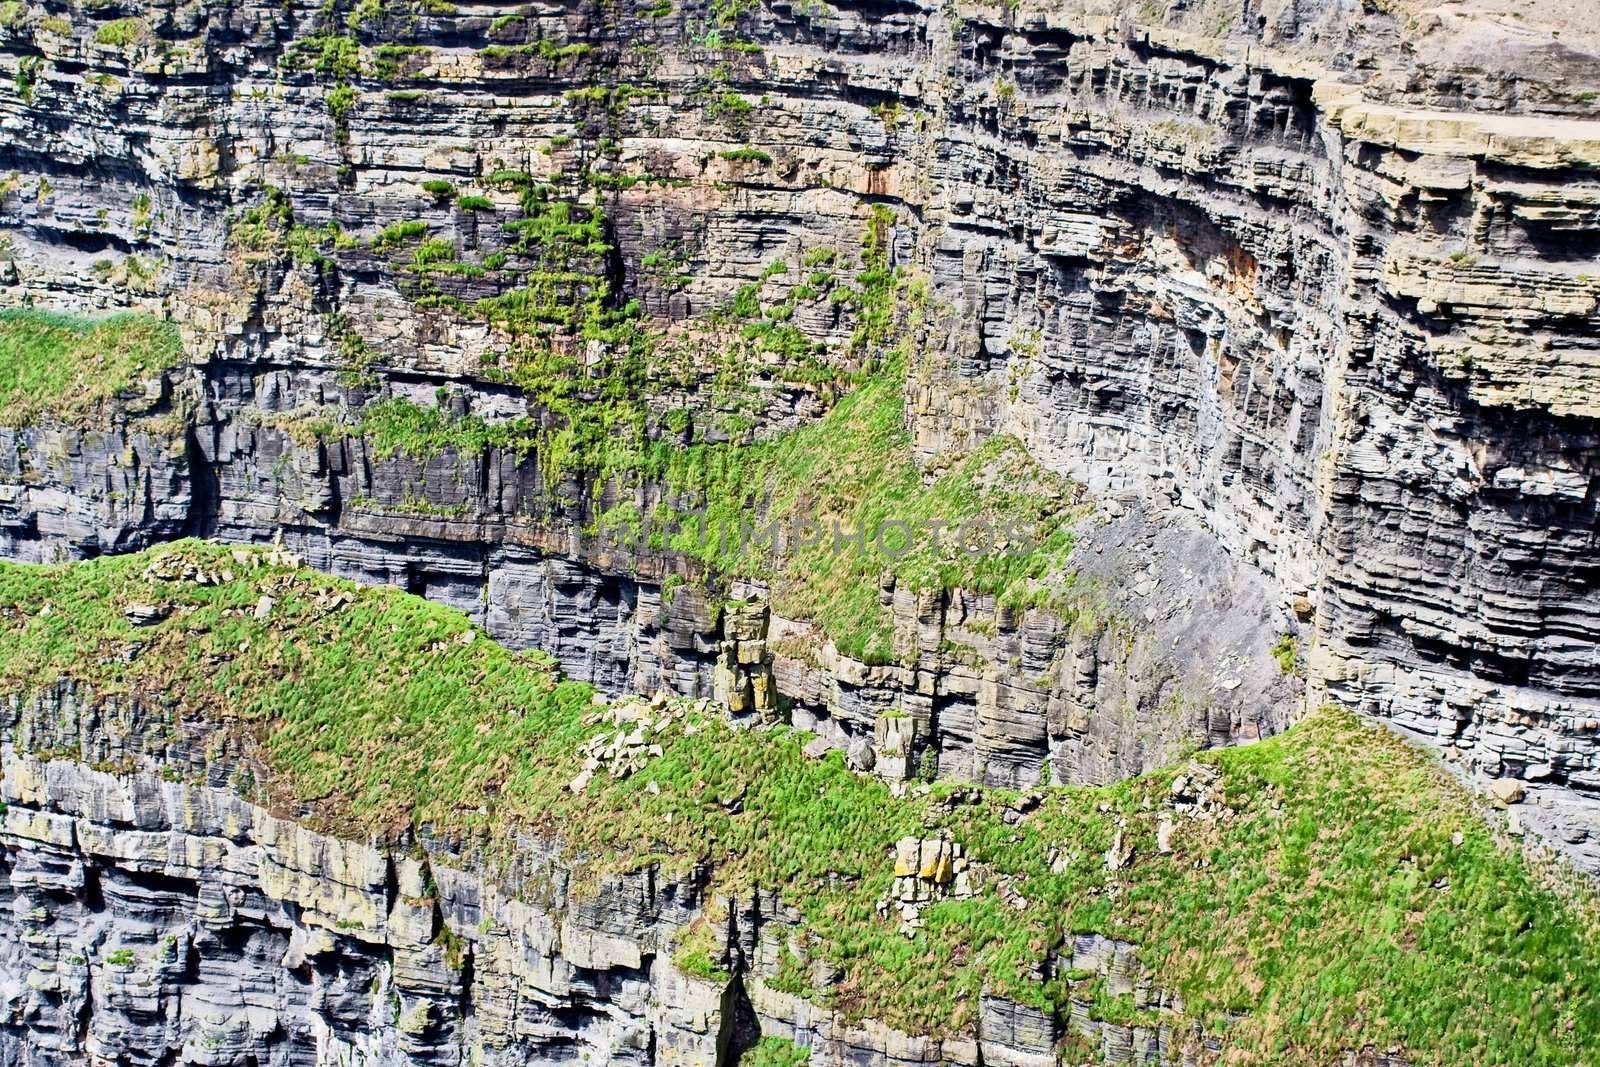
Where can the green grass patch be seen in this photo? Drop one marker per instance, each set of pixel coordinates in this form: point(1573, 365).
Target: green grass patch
point(389, 60)
point(852, 473)
point(746, 155)
point(776, 1052)
point(396, 234)
point(67, 367)
point(120, 33)
point(1342, 894)
point(1286, 651)
point(700, 952)
point(334, 56)
point(398, 426)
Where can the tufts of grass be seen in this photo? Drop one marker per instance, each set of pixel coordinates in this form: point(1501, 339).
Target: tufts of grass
point(776, 1052)
point(120, 33)
point(1343, 892)
point(398, 426)
point(396, 234)
point(67, 367)
point(853, 473)
point(1286, 650)
point(700, 952)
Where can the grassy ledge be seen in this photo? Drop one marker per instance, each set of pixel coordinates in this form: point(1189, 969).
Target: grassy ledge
point(67, 367)
point(1342, 892)
point(853, 471)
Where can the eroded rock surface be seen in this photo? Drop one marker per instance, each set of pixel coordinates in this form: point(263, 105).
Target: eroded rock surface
point(1331, 321)
point(157, 916)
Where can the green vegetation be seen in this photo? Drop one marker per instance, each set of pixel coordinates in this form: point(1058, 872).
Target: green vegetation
point(336, 58)
point(727, 12)
point(746, 155)
point(398, 233)
point(474, 203)
point(332, 55)
point(566, 293)
point(341, 98)
point(1342, 893)
point(776, 1052)
point(67, 367)
point(853, 471)
point(731, 109)
point(849, 502)
point(388, 60)
point(850, 473)
point(364, 12)
point(269, 230)
point(542, 49)
point(400, 427)
point(120, 33)
point(438, 188)
point(700, 951)
point(139, 216)
point(1286, 650)
point(120, 957)
point(27, 80)
point(611, 100)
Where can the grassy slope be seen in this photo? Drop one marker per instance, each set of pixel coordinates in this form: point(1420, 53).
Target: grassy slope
point(68, 367)
point(851, 471)
point(1331, 903)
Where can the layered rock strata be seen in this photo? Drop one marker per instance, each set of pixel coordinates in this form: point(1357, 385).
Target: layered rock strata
point(159, 917)
point(1333, 322)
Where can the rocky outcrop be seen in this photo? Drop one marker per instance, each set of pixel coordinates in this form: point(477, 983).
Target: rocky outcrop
point(158, 913)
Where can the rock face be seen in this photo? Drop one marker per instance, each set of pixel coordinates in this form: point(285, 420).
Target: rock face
point(158, 916)
point(1323, 342)
point(293, 334)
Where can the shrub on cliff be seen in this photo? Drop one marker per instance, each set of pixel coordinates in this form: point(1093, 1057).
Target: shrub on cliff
point(121, 33)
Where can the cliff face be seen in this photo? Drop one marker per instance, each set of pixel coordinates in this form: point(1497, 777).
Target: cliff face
point(1351, 337)
point(162, 919)
point(265, 816)
point(1317, 335)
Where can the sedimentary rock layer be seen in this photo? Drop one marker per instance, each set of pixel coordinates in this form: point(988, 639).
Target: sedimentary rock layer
point(1338, 333)
point(1348, 331)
